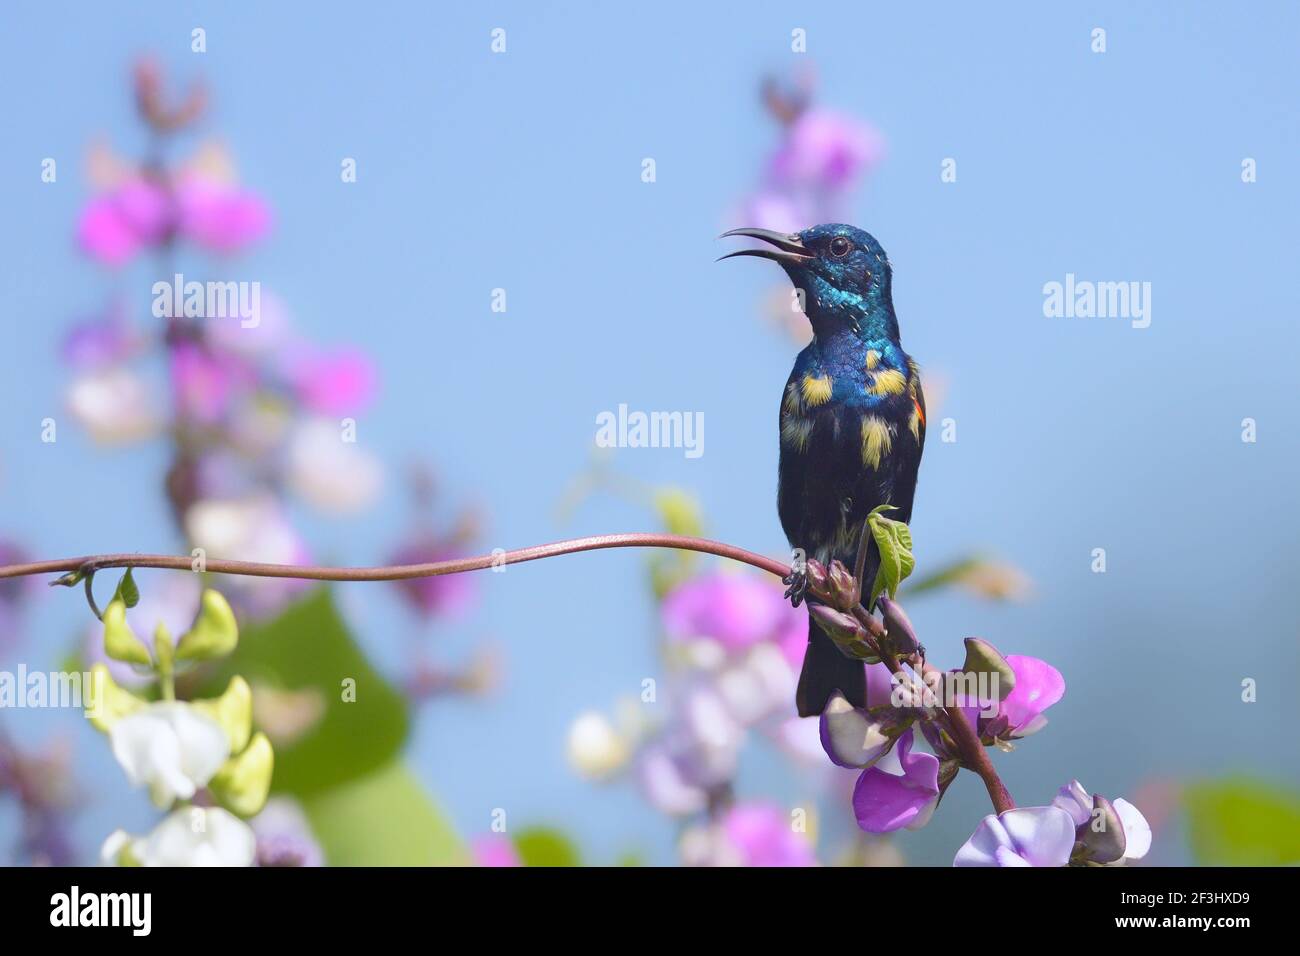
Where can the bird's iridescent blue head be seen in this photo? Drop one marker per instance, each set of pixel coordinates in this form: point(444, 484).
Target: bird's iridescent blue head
point(844, 274)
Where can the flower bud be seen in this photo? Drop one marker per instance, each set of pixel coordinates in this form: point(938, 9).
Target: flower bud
point(818, 579)
point(243, 782)
point(899, 636)
point(841, 587)
point(120, 642)
point(842, 628)
point(233, 710)
point(1103, 835)
point(983, 658)
point(108, 702)
point(214, 633)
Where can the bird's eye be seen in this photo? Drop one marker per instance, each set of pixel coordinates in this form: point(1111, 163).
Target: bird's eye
point(840, 247)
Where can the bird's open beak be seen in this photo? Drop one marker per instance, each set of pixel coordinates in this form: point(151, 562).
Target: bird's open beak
point(789, 249)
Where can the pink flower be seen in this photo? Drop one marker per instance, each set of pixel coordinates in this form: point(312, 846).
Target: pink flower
point(1039, 685)
point(748, 834)
point(737, 611)
point(332, 383)
point(141, 213)
point(432, 596)
point(218, 217)
point(825, 150)
point(116, 225)
point(202, 382)
point(492, 849)
point(765, 836)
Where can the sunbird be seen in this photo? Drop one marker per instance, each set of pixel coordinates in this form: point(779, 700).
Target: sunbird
point(852, 423)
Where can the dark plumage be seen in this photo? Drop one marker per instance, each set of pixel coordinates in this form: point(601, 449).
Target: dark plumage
point(852, 421)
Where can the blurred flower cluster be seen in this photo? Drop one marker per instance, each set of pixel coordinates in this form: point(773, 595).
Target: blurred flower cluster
point(257, 418)
point(199, 759)
point(41, 784)
point(819, 162)
point(252, 407)
point(732, 647)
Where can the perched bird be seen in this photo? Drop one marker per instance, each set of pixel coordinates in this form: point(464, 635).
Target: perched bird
point(852, 422)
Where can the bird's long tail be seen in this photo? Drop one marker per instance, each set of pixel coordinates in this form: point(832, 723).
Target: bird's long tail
point(826, 670)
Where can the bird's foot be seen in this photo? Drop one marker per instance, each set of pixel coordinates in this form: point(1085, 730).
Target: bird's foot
point(797, 589)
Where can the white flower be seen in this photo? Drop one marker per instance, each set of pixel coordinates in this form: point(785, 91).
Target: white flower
point(253, 528)
point(171, 748)
point(1028, 836)
point(850, 737)
point(595, 748)
point(666, 786)
point(333, 475)
point(114, 405)
point(189, 836)
point(1137, 832)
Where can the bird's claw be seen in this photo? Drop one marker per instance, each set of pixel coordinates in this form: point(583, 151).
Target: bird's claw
point(798, 586)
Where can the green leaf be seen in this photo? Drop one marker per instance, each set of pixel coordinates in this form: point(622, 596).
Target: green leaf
point(1242, 822)
point(308, 647)
point(546, 846)
point(894, 541)
point(383, 819)
point(127, 590)
point(945, 575)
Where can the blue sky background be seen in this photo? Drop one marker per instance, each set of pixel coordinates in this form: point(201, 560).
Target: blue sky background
point(522, 171)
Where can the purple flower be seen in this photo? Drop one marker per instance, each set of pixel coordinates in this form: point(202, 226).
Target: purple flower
point(1112, 832)
point(825, 150)
point(737, 611)
point(284, 835)
point(764, 836)
point(445, 594)
point(1029, 836)
point(203, 382)
point(13, 593)
point(1039, 685)
point(900, 790)
point(98, 341)
point(749, 834)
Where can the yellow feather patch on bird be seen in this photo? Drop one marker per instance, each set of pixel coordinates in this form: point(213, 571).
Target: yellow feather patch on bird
point(796, 431)
point(877, 439)
point(816, 391)
point(914, 423)
point(792, 404)
point(888, 382)
point(873, 359)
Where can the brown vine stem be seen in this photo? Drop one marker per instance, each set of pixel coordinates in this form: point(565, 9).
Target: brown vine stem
point(397, 572)
point(972, 751)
